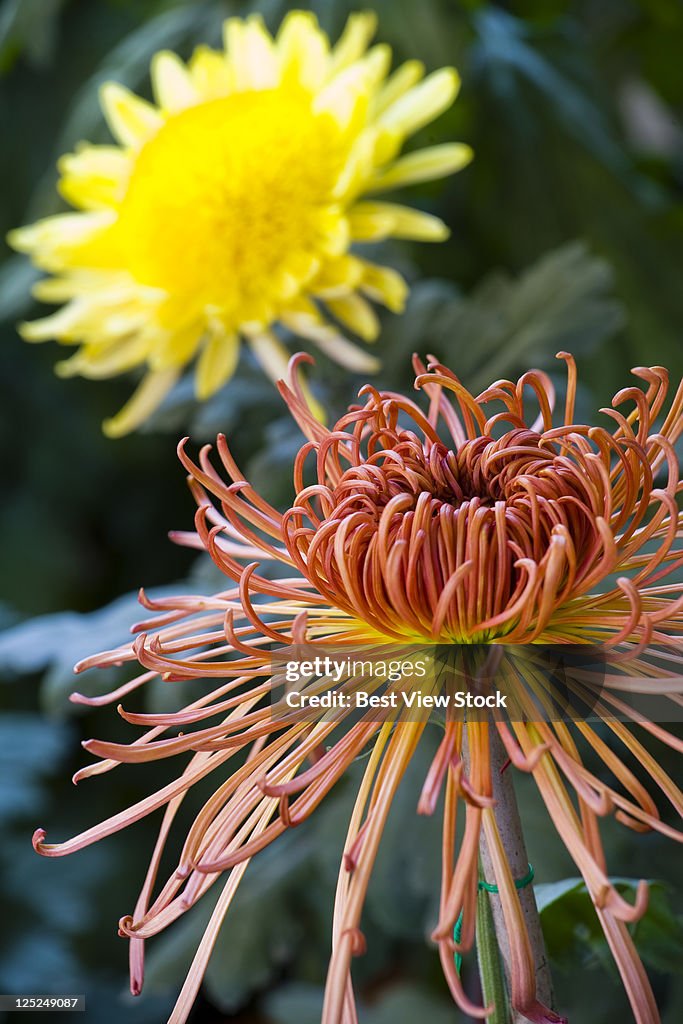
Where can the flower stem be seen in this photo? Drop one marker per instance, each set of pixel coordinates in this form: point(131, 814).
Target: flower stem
point(510, 830)
point(490, 966)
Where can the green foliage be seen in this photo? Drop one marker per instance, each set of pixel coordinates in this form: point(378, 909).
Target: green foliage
point(573, 934)
point(564, 301)
point(28, 27)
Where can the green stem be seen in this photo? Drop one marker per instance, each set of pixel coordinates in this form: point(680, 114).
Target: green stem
point(491, 971)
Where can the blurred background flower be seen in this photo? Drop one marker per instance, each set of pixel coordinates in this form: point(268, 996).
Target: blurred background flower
point(568, 235)
point(231, 205)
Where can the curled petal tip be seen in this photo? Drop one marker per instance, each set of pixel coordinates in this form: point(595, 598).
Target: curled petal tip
point(537, 1013)
point(38, 840)
point(358, 942)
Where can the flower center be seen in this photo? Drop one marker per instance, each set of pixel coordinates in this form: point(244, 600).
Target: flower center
point(422, 540)
point(222, 210)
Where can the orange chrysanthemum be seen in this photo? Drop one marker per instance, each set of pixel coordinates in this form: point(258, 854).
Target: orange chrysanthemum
point(460, 524)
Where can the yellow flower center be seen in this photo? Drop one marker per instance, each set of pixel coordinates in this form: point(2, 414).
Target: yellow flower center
point(222, 210)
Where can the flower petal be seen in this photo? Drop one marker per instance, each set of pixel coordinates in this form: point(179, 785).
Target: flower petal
point(131, 120)
point(423, 103)
point(217, 363)
point(423, 165)
point(372, 222)
point(172, 83)
point(148, 397)
point(252, 53)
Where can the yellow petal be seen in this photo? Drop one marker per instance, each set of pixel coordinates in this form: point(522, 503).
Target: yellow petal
point(358, 167)
point(94, 176)
point(384, 285)
point(354, 40)
point(271, 354)
point(338, 277)
point(216, 364)
point(64, 325)
point(131, 120)
point(303, 50)
point(335, 236)
point(56, 289)
point(376, 221)
point(358, 315)
point(174, 348)
point(172, 83)
point(211, 73)
point(54, 242)
point(403, 79)
point(369, 224)
point(97, 362)
point(423, 103)
point(148, 397)
point(252, 53)
point(424, 165)
point(274, 358)
point(338, 348)
point(347, 96)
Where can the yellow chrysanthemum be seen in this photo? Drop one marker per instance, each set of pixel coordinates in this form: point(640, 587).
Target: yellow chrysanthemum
point(233, 205)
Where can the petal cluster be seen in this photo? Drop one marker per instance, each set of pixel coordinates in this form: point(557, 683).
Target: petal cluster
point(233, 203)
point(464, 520)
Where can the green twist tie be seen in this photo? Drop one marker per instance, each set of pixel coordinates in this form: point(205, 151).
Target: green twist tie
point(520, 883)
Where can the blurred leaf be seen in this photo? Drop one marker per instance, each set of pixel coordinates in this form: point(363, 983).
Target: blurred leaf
point(406, 1004)
point(400, 1004)
point(403, 894)
point(270, 471)
point(247, 392)
point(30, 27)
point(30, 748)
point(505, 52)
point(50, 949)
point(294, 1002)
point(56, 642)
point(129, 61)
point(58, 896)
point(17, 277)
point(563, 301)
point(573, 933)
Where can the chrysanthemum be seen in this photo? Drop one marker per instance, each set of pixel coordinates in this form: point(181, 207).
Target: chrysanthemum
point(234, 204)
point(459, 523)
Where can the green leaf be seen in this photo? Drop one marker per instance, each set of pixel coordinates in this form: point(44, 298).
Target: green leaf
point(295, 1002)
point(404, 889)
point(563, 301)
point(406, 1004)
point(30, 27)
point(507, 56)
point(573, 933)
point(54, 643)
point(17, 277)
point(30, 747)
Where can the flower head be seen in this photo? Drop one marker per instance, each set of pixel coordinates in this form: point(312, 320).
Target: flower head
point(231, 205)
point(464, 522)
